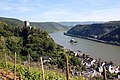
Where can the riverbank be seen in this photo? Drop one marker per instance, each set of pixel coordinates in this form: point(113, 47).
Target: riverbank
point(98, 53)
point(93, 39)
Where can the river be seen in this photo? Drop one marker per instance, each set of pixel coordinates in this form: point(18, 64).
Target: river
point(94, 49)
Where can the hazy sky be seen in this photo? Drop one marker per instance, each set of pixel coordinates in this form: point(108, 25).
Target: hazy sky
point(61, 10)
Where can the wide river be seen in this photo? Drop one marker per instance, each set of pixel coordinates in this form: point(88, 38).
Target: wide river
point(94, 49)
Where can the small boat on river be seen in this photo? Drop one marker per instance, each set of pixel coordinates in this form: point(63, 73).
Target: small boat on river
point(73, 41)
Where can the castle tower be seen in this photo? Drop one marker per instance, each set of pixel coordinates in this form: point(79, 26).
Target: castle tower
point(26, 24)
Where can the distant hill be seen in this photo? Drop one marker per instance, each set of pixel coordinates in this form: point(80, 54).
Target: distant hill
point(49, 26)
point(12, 21)
point(104, 31)
point(71, 24)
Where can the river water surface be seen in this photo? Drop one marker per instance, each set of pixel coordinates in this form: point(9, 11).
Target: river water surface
point(94, 49)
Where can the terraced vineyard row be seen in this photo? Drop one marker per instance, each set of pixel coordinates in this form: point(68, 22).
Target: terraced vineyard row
point(34, 74)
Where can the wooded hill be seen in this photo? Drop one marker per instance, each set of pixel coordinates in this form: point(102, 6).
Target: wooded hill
point(108, 31)
point(113, 37)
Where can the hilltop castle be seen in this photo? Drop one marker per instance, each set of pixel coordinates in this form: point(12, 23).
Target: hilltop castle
point(26, 24)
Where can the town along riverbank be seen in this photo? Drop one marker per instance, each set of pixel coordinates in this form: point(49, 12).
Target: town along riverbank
point(94, 68)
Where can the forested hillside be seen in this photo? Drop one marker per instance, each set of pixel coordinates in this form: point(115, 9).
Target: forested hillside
point(25, 40)
point(113, 37)
point(37, 43)
point(97, 31)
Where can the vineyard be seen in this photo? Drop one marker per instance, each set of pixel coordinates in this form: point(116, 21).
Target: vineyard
point(7, 71)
